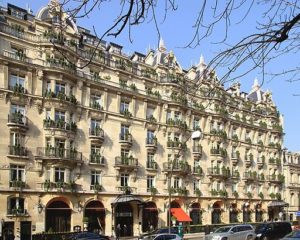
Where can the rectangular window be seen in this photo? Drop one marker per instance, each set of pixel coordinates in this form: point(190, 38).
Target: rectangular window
point(177, 115)
point(60, 116)
point(196, 184)
point(95, 124)
point(95, 149)
point(16, 139)
point(15, 80)
point(17, 173)
point(59, 175)
point(16, 203)
point(124, 132)
point(17, 109)
point(150, 112)
point(124, 106)
point(234, 187)
point(60, 143)
point(150, 136)
point(176, 182)
point(96, 101)
point(169, 115)
point(150, 182)
point(60, 88)
point(124, 180)
point(95, 178)
point(196, 124)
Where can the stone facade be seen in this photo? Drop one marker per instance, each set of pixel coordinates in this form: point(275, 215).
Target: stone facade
point(99, 142)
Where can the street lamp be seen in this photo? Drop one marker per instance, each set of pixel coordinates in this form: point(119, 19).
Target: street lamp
point(195, 135)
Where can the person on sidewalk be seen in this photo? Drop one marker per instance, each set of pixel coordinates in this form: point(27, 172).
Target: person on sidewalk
point(118, 231)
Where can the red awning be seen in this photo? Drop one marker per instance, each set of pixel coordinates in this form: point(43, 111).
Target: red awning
point(180, 215)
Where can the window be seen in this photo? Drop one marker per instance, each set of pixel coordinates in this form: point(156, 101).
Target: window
point(95, 150)
point(124, 153)
point(15, 80)
point(16, 139)
point(60, 143)
point(150, 112)
point(177, 115)
point(59, 116)
point(233, 132)
point(96, 101)
point(150, 136)
point(95, 178)
point(196, 184)
point(169, 115)
point(234, 187)
point(150, 182)
point(17, 109)
point(176, 182)
point(60, 88)
point(124, 180)
point(150, 159)
point(124, 106)
point(247, 135)
point(196, 124)
point(48, 86)
point(17, 173)
point(59, 175)
point(177, 137)
point(16, 205)
point(124, 132)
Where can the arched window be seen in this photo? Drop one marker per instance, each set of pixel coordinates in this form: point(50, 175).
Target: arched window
point(195, 214)
point(95, 212)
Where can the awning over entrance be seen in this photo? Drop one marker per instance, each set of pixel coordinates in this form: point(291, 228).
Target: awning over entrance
point(278, 204)
point(127, 198)
point(180, 215)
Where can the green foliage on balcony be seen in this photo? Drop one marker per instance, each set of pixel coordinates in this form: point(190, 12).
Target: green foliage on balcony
point(17, 184)
point(272, 195)
point(179, 98)
point(149, 73)
point(198, 192)
point(18, 89)
point(278, 196)
point(235, 194)
point(177, 122)
point(219, 151)
point(221, 110)
point(219, 133)
point(198, 106)
point(277, 127)
point(97, 187)
point(235, 137)
point(123, 84)
point(263, 124)
point(153, 190)
point(261, 195)
point(126, 113)
point(151, 118)
point(182, 191)
point(133, 87)
point(260, 143)
point(96, 105)
point(221, 193)
point(151, 93)
point(273, 160)
point(248, 140)
point(249, 195)
point(198, 170)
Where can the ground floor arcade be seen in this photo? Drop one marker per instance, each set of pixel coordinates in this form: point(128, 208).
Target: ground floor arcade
point(59, 212)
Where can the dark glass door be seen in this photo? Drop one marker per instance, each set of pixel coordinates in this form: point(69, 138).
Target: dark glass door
point(124, 217)
point(25, 230)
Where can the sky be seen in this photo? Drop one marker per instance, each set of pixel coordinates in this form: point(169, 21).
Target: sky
point(176, 32)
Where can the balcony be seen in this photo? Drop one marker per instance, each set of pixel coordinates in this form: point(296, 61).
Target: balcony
point(17, 121)
point(219, 193)
point(151, 144)
point(176, 145)
point(248, 159)
point(59, 154)
point(96, 105)
point(61, 96)
point(261, 162)
point(151, 166)
point(198, 171)
point(59, 128)
point(96, 159)
point(177, 123)
point(19, 56)
point(96, 135)
point(219, 135)
point(218, 154)
point(59, 186)
point(250, 176)
point(217, 172)
point(235, 174)
point(126, 162)
point(197, 152)
point(278, 179)
point(274, 161)
point(17, 212)
point(17, 151)
point(180, 167)
point(179, 191)
point(97, 188)
point(17, 184)
point(125, 140)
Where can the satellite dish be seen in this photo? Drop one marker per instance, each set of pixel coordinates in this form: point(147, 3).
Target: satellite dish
point(197, 134)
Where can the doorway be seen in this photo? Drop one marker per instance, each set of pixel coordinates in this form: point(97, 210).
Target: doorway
point(58, 217)
point(124, 217)
point(26, 230)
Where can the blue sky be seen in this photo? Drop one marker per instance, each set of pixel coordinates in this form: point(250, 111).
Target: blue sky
point(177, 31)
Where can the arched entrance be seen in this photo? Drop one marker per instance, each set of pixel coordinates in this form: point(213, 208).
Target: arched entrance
point(246, 212)
point(124, 217)
point(150, 217)
point(233, 213)
point(58, 216)
point(195, 214)
point(95, 212)
point(258, 213)
point(216, 213)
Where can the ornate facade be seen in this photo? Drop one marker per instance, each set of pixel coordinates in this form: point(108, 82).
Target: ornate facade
point(95, 145)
